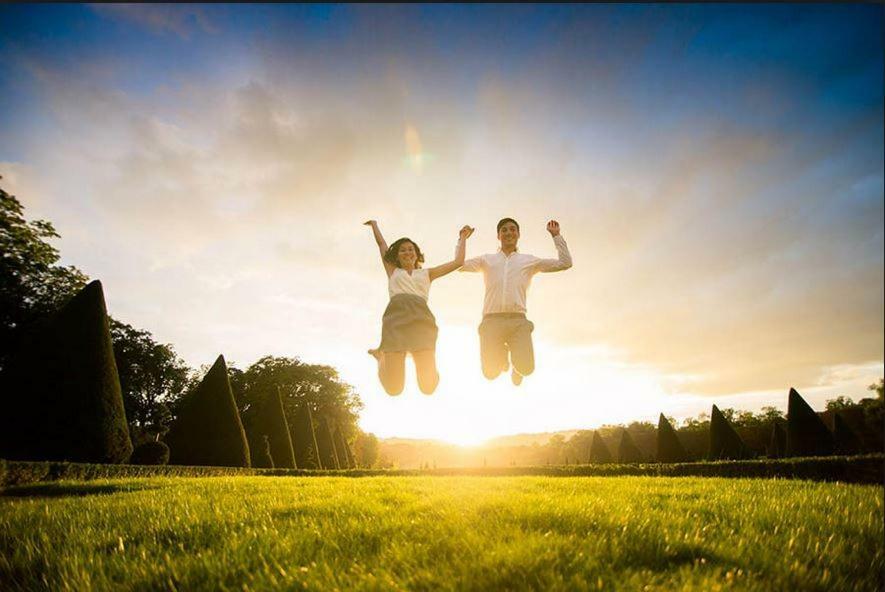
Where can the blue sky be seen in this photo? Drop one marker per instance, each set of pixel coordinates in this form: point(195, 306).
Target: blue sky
point(717, 169)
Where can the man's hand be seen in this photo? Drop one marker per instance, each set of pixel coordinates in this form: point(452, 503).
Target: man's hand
point(465, 232)
point(553, 228)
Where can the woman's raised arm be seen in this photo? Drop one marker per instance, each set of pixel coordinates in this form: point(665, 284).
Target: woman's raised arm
point(460, 253)
point(382, 245)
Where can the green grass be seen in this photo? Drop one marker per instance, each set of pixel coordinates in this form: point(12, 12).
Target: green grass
point(431, 533)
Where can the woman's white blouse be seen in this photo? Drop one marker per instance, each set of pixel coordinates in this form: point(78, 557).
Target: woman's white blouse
point(401, 282)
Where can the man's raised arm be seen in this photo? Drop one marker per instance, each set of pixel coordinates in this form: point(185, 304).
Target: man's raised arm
point(565, 258)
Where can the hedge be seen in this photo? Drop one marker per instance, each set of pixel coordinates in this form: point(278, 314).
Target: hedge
point(867, 469)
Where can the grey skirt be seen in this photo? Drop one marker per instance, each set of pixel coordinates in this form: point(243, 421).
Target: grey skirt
point(408, 325)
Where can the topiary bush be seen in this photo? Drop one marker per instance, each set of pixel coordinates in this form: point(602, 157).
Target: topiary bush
point(670, 449)
point(150, 453)
point(628, 452)
point(271, 422)
point(806, 433)
point(208, 430)
point(599, 451)
point(304, 439)
point(777, 447)
point(61, 395)
point(725, 443)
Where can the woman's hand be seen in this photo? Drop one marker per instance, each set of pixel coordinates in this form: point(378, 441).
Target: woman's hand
point(370, 223)
point(465, 232)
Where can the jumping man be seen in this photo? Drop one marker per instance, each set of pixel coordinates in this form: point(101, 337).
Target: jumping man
point(507, 276)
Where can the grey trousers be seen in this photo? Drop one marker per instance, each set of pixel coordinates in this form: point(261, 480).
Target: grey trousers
point(501, 332)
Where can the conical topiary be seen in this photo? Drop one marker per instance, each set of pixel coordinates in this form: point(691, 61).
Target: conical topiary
point(208, 430)
point(345, 454)
point(777, 447)
point(806, 433)
point(325, 445)
point(61, 395)
point(599, 451)
point(845, 440)
point(304, 440)
point(628, 452)
point(670, 449)
point(725, 443)
point(271, 422)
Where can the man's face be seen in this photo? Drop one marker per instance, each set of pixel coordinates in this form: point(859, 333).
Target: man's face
point(508, 234)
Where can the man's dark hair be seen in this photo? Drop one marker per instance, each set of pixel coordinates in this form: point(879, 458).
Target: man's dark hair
point(504, 221)
point(392, 254)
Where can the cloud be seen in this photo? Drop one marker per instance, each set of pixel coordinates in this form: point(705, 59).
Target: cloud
point(181, 20)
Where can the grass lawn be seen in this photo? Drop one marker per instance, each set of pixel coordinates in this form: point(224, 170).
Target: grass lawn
point(432, 533)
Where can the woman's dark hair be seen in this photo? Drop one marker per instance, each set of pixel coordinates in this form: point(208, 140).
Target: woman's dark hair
point(504, 221)
point(392, 254)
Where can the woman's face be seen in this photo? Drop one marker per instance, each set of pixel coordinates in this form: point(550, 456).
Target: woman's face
point(407, 255)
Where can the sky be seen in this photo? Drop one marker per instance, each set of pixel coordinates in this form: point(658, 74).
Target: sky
point(717, 171)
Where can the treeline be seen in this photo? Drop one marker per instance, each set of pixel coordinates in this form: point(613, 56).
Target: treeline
point(857, 426)
point(52, 322)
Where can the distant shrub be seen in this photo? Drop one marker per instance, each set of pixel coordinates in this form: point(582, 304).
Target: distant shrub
point(806, 433)
point(326, 445)
point(150, 453)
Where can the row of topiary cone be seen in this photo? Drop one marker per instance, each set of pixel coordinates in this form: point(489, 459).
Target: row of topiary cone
point(61, 400)
point(806, 435)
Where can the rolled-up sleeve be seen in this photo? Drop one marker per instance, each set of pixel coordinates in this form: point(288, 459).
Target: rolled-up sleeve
point(563, 262)
point(473, 264)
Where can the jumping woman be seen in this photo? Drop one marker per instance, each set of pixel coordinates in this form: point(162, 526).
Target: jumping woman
point(408, 326)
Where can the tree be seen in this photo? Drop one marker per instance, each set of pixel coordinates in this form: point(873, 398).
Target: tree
point(61, 393)
point(32, 285)
point(152, 377)
point(670, 449)
point(725, 443)
point(840, 403)
point(207, 429)
point(317, 385)
point(879, 388)
point(806, 433)
point(366, 450)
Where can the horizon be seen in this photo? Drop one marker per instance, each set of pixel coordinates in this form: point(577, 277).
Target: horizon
point(716, 170)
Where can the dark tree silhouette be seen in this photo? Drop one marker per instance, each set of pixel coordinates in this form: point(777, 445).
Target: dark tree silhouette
point(61, 393)
point(345, 453)
point(725, 443)
point(628, 452)
point(208, 430)
point(670, 449)
point(807, 435)
point(598, 450)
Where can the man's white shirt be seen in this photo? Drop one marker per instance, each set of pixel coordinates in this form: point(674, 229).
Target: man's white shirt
point(507, 277)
